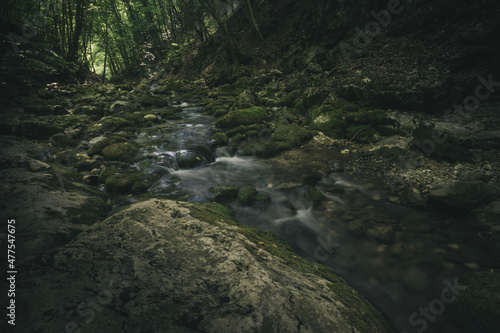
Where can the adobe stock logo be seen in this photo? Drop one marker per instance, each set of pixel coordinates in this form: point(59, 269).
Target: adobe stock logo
point(372, 29)
point(437, 306)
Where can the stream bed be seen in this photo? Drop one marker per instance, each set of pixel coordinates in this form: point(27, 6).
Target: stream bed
point(403, 260)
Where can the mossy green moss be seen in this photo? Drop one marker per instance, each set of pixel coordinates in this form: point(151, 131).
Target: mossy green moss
point(212, 106)
point(224, 193)
point(114, 124)
point(237, 130)
point(220, 139)
point(236, 118)
point(342, 119)
point(360, 313)
point(126, 183)
point(481, 299)
point(249, 195)
point(98, 147)
point(238, 138)
point(293, 134)
point(92, 211)
point(123, 151)
point(314, 195)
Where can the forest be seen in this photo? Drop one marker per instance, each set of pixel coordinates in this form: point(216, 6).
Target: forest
point(207, 166)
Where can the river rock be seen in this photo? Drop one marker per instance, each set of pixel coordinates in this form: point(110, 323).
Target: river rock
point(142, 270)
point(248, 96)
point(224, 193)
point(487, 220)
point(459, 196)
point(123, 106)
point(194, 157)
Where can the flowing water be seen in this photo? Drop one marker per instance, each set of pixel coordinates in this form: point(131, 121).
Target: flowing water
point(396, 257)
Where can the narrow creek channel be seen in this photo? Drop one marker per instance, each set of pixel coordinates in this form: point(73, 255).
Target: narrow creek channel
point(402, 277)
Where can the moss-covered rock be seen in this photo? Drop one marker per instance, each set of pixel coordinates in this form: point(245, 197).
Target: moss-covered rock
point(194, 157)
point(123, 151)
point(94, 112)
point(212, 106)
point(224, 193)
point(123, 106)
point(136, 117)
point(62, 140)
point(249, 195)
point(220, 139)
point(236, 118)
point(154, 101)
point(237, 130)
point(238, 138)
point(170, 114)
point(342, 119)
point(97, 148)
point(114, 124)
point(293, 134)
point(314, 195)
point(481, 299)
point(125, 183)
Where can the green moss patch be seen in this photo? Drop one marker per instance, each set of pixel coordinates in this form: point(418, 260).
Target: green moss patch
point(123, 151)
point(114, 124)
point(249, 195)
point(294, 135)
point(236, 118)
point(220, 139)
point(350, 121)
point(98, 147)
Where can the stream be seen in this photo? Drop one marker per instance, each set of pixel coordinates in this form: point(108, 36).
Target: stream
point(399, 263)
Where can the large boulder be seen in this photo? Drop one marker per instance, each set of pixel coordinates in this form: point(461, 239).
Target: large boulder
point(161, 265)
point(459, 197)
point(487, 220)
point(479, 298)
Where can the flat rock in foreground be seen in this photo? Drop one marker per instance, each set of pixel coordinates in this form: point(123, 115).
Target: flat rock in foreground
point(155, 268)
